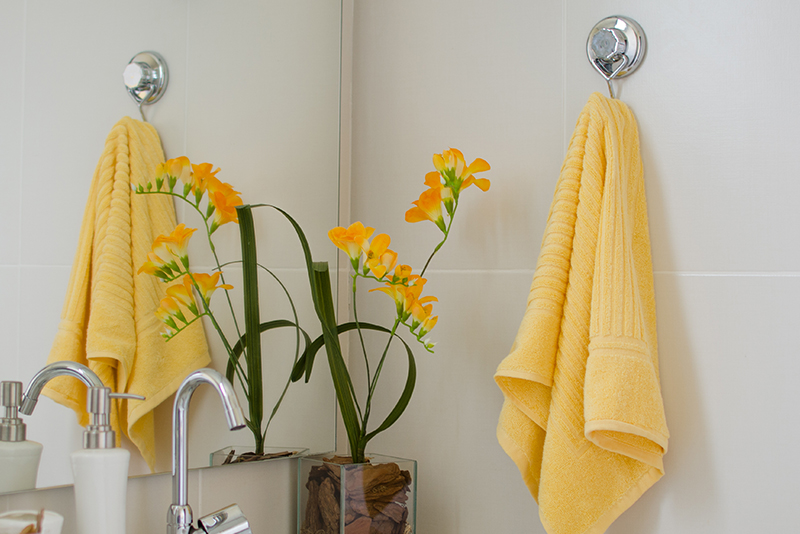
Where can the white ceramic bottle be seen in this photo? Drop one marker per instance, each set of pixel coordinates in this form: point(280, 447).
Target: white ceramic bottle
point(19, 458)
point(100, 470)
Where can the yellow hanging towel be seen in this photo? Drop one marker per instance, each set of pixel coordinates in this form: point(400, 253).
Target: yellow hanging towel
point(583, 416)
point(108, 320)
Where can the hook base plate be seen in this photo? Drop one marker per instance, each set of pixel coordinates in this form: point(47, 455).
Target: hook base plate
point(146, 78)
point(609, 40)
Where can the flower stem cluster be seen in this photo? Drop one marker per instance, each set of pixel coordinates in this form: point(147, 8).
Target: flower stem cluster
point(374, 260)
point(452, 175)
point(199, 181)
point(168, 260)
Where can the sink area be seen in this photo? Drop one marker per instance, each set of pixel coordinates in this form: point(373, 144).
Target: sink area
point(265, 491)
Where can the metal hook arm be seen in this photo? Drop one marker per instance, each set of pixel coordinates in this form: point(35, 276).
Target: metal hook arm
point(144, 100)
point(596, 63)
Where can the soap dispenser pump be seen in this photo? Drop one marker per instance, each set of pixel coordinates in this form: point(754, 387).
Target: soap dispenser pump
point(100, 469)
point(19, 458)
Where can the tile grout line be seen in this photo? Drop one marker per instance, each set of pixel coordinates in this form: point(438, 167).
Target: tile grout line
point(18, 326)
point(186, 83)
point(717, 274)
point(564, 123)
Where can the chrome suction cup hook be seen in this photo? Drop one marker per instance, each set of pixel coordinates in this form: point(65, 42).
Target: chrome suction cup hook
point(616, 47)
point(146, 78)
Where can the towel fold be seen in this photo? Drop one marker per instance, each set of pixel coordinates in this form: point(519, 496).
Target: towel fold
point(583, 416)
point(108, 320)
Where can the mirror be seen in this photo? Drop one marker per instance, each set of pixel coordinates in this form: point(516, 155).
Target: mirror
point(254, 89)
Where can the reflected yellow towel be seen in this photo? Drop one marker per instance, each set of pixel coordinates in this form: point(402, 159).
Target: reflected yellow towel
point(107, 321)
point(583, 417)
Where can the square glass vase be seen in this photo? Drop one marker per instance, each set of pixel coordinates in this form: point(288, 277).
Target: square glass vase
point(244, 453)
point(338, 497)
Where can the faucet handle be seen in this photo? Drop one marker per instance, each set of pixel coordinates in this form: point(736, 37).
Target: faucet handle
point(229, 520)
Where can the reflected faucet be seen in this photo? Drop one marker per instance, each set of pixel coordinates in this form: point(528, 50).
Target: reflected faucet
point(179, 518)
point(79, 371)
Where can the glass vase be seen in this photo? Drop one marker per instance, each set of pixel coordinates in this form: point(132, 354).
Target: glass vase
point(336, 496)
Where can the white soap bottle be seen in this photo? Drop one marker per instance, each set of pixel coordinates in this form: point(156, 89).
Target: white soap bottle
point(100, 470)
point(19, 458)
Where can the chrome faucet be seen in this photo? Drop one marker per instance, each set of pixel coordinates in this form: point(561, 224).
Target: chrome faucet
point(79, 371)
point(229, 520)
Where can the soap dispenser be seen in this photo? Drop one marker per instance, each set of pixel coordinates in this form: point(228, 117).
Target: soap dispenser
point(100, 469)
point(19, 459)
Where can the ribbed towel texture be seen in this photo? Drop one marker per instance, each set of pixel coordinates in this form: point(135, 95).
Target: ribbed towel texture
point(108, 320)
point(583, 416)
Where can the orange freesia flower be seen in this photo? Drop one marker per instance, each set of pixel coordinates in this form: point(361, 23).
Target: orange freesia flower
point(406, 296)
point(379, 259)
point(177, 242)
point(401, 274)
point(176, 168)
point(213, 185)
point(428, 208)
point(207, 284)
point(224, 199)
point(426, 326)
point(453, 168)
point(161, 250)
point(153, 266)
point(412, 293)
point(200, 175)
point(159, 260)
point(384, 263)
point(168, 311)
point(224, 210)
point(396, 292)
point(183, 293)
point(348, 239)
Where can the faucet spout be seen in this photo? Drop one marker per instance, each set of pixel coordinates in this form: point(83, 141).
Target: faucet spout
point(179, 518)
point(66, 368)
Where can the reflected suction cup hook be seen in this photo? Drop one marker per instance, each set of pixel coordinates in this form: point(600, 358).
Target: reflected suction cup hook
point(146, 78)
point(616, 47)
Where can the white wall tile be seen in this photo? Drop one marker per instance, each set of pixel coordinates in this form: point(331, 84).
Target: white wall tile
point(263, 106)
point(727, 362)
point(85, 46)
point(12, 40)
point(716, 144)
point(9, 323)
point(473, 76)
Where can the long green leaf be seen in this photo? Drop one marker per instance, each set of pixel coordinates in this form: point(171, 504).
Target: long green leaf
point(339, 373)
point(306, 361)
point(320, 283)
point(264, 327)
point(408, 390)
point(402, 403)
point(252, 320)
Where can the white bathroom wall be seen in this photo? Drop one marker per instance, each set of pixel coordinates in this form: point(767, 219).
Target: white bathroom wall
point(254, 89)
point(505, 81)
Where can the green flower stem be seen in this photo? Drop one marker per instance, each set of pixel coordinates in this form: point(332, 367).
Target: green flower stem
point(228, 349)
point(446, 235)
point(186, 325)
point(296, 352)
point(360, 335)
point(374, 383)
point(210, 245)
